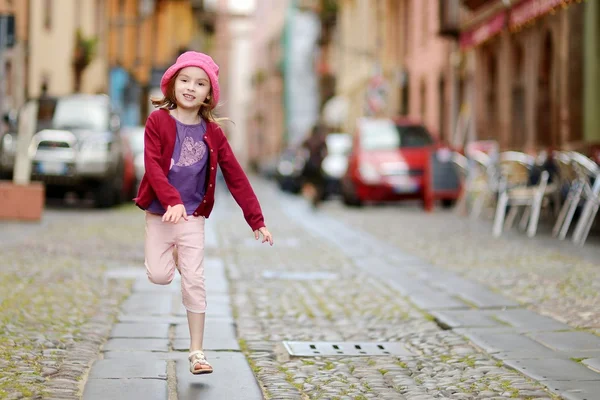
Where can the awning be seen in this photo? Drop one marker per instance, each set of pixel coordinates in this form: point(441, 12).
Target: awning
point(528, 10)
point(483, 32)
point(518, 16)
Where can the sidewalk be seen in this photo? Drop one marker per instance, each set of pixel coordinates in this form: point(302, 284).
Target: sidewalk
point(146, 354)
point(334, 312)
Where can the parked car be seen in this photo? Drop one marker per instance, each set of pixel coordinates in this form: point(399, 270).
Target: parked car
point(77, 147)
point(289, 170)
point(387, 161)
point(335, 163)
point(135, 138)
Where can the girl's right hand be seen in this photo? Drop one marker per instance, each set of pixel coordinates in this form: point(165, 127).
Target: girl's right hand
point(175, 213)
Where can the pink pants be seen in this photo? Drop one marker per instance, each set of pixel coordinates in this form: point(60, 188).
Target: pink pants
point(188, 236)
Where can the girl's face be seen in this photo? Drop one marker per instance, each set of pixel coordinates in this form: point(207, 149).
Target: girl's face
point(192, 86)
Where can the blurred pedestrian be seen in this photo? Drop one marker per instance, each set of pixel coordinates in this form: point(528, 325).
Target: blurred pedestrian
point(183, 145)
point(312, 173)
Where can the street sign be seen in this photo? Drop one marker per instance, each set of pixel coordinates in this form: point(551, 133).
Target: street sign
point(7, 21)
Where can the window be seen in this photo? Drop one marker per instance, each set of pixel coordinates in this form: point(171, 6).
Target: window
point(48, 14)
point(384, 134)
point(9, 78)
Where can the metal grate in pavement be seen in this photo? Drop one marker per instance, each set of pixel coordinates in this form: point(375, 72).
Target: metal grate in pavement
point(299, 276)
point(317, 349)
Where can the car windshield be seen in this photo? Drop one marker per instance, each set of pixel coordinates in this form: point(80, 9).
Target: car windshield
point(81, 113)
point(386, 135)
point(137, 140)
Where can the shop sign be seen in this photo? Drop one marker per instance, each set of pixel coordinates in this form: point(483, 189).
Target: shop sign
point(483, 32)
point(529, 10)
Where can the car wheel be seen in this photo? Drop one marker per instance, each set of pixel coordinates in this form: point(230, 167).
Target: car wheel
point(104, 194)
point(351, 200)
point(448, 203)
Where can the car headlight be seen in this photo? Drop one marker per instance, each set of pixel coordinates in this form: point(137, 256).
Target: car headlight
point(369, 173)
point(9, 143)
point(285, 168)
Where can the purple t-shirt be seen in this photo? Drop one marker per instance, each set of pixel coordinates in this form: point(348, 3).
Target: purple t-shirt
point(188, 167)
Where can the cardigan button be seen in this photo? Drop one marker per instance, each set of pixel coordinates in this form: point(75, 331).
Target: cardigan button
point(212, 167)
point(211, 150)
point(195, 214)
point(205, 201)
point(210, 185)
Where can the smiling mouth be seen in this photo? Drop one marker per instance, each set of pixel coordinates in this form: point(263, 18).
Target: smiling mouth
point(189, 97)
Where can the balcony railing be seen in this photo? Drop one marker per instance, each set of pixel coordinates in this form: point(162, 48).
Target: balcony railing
point(449, 17)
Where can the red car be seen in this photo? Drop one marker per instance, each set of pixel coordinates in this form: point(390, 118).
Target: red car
point(387, 161)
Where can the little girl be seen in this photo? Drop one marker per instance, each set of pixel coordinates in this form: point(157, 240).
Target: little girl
point(183, 144)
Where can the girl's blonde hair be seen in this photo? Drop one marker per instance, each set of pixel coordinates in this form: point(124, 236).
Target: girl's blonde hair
point(169, 102)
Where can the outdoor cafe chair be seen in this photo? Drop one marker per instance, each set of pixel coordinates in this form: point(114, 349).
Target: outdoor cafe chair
point(588, 213)
point(515, 169)
point(582, 171)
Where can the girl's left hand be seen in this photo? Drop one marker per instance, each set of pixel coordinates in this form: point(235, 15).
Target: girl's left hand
point(267, 237)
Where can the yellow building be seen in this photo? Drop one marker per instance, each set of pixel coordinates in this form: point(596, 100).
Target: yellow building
point(144, 38)
point(53, 39)
point(362, 56)
point(14, 58)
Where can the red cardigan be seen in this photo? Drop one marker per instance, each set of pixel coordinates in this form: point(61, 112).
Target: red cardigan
point(159, 142)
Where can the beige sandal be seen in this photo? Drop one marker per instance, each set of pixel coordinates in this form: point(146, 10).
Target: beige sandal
point(197, 358)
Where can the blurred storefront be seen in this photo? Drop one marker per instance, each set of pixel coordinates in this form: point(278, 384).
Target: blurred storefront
point(66, 48)
point(144, 38)
point(525, 60)
point(266, 116)
point(15, 34)
point(368, 61)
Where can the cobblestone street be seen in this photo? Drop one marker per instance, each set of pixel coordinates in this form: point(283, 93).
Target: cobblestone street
point(461, 315)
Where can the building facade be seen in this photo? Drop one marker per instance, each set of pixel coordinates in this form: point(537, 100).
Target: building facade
point(427, 83)
point(527, 72)
point(266, 114)
point(14, 57)
point(368, 61)
point(56, 31)
point(144, 38)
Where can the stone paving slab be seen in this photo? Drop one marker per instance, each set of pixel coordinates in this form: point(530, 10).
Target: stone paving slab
point(429, 299)
point(471, 318)
point(217, 306)
point(232, 379)
point(483, 298)
point(565, 341)
point(216, 280)
point(593, 363)
point(137, 344)
point(581, 390)
point(145, 355)
point(140, 330)
point(152, 319)
point(125, 389)
point(144, 285)
point(554, 369)
point(219, 335)
point(129, 369)
point(492, 342)
point(523, 318)
point(142, 303)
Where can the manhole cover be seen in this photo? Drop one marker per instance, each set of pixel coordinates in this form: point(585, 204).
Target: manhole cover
point(317, 349)
point(299, 276)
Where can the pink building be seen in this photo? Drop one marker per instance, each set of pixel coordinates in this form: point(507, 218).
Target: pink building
point(426, 91)
point(266, 122)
